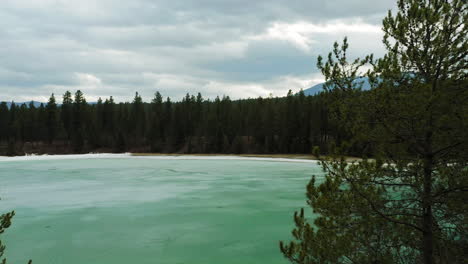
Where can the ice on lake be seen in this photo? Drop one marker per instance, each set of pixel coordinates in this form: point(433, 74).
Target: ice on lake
point(121, 209)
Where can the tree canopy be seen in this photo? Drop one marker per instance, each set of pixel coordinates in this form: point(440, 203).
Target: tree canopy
point(291, 124)
point(408, 203)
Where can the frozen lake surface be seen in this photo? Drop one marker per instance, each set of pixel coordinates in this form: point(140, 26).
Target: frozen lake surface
point(103, 209)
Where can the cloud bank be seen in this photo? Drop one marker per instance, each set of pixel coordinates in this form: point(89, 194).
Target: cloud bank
point(237, 48)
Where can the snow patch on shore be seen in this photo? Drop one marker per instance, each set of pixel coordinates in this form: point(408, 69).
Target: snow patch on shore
point(33, 157)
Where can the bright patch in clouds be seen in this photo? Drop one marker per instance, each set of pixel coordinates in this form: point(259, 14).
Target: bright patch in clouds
point(304, 34)
point(88, 81)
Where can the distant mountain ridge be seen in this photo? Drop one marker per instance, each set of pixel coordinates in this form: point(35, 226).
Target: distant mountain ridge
point(316, 89)
point(35, 103)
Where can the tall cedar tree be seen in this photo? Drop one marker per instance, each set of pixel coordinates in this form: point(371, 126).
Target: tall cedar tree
point(408, 205)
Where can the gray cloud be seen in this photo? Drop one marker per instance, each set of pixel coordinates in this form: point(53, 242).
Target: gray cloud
point(239, 48)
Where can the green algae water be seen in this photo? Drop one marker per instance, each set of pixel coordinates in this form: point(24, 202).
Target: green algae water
point(103, 209)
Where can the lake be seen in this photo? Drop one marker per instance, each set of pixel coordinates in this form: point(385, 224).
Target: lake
point(103, 209)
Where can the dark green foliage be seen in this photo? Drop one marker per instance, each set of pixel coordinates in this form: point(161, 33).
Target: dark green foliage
point(66, 113)
point(80, 121)
point(408, 203)
point(137, 121)
point(191, 125)
point(11, 148)
point(156, 125)
point(5, 222)
point(120, 143)
point(52, 123)
point(4, 116)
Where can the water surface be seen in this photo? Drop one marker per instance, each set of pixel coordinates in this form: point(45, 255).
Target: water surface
point(119, 209)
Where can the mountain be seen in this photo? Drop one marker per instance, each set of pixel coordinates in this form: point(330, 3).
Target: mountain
point(310, 91)
point(319, 87)
point(35, 103)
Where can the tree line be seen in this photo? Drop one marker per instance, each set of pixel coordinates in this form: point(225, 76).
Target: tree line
point(291, 124)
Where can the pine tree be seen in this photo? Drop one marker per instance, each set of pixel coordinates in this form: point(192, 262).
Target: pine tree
point(5, 222)
point(407, 205)
point(79, 121)
point(168, 120)
point(156, 131)
point(138, 120)
point(66, 113)
point(4, 118)
point(108, 125)
point(52, 125)
point(41, 126)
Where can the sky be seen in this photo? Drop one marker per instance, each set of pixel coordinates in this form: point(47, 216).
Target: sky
point(241, 48)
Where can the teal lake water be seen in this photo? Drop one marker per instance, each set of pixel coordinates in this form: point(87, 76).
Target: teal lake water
point(103, 209)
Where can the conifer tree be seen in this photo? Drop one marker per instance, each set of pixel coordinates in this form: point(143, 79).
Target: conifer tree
point(51, 119)
point(66, 113)
point(30, 123)
point(4, 117)
point(408, 204)
point(168, 120)
point(79, 121)
point(108, 125)
point(5, 222)
point(137, 121)
point(156, 128)
point(41, 126)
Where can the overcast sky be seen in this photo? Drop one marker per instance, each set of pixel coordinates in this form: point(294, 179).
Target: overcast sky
point(241, 48)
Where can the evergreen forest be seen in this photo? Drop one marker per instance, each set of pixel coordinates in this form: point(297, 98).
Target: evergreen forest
point(291, 124)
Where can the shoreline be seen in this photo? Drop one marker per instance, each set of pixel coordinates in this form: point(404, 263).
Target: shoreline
point(155, 156)
point(266, 157)
point(277, 156)
point(271, 156)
